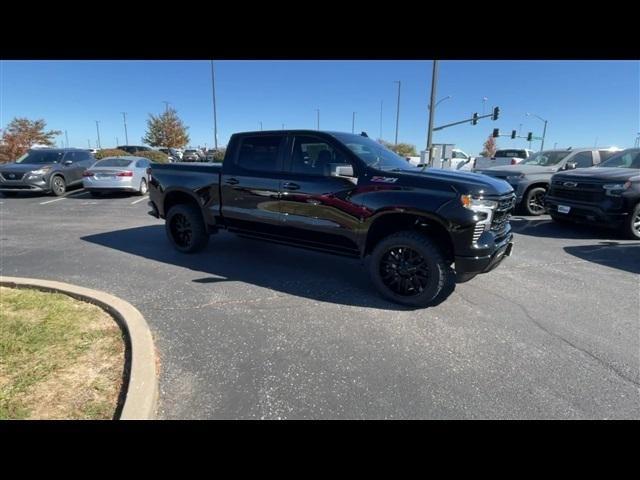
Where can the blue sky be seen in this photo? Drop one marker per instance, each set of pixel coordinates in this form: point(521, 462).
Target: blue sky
point(584, 101)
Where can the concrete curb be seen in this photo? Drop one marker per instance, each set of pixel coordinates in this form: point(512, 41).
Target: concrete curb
point(141, 395)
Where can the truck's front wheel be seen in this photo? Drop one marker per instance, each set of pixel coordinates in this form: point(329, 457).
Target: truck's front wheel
point(410, 269)
point(186, 229)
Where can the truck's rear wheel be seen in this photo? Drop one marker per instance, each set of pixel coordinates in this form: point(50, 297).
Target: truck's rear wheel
point(410, 269)
point(186, 229)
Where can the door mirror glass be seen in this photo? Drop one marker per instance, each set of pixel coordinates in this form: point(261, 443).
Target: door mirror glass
point(342, 170)
point(571, 166)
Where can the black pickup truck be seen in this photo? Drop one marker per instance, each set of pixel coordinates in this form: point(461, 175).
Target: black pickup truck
point(606, 195)
point(345, 194)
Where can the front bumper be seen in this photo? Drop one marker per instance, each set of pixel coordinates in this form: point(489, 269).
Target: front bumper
point(580, 212)
point(25, 184)
point(485, 263)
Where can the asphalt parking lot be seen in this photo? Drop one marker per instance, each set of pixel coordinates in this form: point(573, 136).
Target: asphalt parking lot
point(254, 330)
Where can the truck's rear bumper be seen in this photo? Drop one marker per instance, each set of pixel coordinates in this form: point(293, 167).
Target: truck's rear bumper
point(485, 263)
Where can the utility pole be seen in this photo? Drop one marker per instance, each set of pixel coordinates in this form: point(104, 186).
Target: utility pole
point(126, 136)
point(215, 118)
point(318, 119)
point(260, 125)
point(434, 85)
point(89, 142)
point(353, 123)
point(117, 142)
point(66, 137)
point(380, 137)
point(397, 111)
point(98, 130)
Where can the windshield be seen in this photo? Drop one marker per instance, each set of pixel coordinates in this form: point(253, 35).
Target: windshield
point(113, 162)
point(39, 157)
point(545, 159)
point(373, 153)
point(626, 159)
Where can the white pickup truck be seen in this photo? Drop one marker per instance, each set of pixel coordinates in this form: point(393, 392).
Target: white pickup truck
point(507, 156)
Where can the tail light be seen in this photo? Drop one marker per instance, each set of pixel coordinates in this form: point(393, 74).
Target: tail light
point(87, 173)
point(513, 161)
point(124, 174)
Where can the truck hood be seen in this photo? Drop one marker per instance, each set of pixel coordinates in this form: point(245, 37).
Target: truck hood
point(463, 182)
point(600, 173)
point(508, 170)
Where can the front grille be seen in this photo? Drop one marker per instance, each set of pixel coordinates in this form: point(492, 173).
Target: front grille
point(588, 196)
point(11, 176)
point(503, 213)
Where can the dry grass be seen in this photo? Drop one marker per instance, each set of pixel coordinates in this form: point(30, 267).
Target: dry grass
point(60, 358)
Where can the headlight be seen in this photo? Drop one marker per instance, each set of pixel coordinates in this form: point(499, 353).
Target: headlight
point(477, 204)
point(617, 186)
point(515, 178)
point(40, 171)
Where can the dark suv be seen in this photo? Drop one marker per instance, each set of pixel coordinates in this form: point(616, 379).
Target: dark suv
point(46, 170)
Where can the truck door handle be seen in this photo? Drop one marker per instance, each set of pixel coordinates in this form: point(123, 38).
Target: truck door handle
point(232, 181)
point(290, 186)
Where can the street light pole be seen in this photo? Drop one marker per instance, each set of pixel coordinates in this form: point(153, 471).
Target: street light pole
point(260, 125)
point(98, 130)
point(353, 123)
point(66, 138)
point(380, 137)
point(318, 119)
point(215, 119)
point(397, 111)
point(434, 84)
point(484, 101)
point(126, 135)
point(544, 132)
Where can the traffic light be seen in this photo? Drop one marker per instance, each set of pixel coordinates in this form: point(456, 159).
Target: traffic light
point(513, 134)
point(475, 119)
point(496, 112)
point(529, 137)
point(496, 132)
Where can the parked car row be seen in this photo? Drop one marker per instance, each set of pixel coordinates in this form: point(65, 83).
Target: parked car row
point(54, 170)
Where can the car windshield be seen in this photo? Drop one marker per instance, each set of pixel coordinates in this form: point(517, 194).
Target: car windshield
point(373, 153)
point(626, 159)
point(113, 162)
point(545, 158)
point(39, 157)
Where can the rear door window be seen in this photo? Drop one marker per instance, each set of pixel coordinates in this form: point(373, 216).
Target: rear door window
point(261, 153)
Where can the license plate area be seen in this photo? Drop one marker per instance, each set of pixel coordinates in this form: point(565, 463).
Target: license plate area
point(564, 209)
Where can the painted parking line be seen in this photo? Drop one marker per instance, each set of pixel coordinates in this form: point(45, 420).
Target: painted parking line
point(139, 200)
point(78, 194)
point(54, 200)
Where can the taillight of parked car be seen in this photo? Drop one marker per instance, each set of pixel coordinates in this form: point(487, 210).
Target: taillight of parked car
point(513, 161)
point(124, 174)
point(88, 173)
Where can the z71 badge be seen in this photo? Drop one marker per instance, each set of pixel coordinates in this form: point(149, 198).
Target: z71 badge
point(384, 179)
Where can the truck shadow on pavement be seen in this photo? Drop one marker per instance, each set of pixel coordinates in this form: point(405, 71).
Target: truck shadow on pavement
point(289, 270)
point(546, 228)
point(622, 256)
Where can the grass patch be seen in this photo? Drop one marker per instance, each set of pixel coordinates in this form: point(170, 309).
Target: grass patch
point(60, 358)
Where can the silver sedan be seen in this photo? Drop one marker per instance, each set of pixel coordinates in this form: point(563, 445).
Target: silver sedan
point(117, 174)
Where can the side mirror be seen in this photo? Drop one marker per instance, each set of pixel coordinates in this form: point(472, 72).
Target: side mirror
point(342, 170)
point(571, 166)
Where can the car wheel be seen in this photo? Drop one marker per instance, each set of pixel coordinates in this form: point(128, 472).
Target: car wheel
point(534, 201)
point(410, 269)
point(143, 187)
point(632, 224)
point(186, 229)
point(58, 186)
